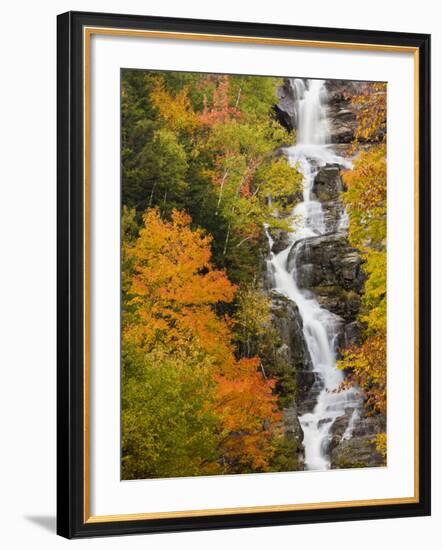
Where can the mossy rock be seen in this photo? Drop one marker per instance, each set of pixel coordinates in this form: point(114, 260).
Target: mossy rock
point(358, 452)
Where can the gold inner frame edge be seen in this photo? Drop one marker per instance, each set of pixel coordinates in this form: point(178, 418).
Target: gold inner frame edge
point(87, 33)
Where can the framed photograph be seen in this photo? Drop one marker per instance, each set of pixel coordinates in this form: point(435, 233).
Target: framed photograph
point(243, 274)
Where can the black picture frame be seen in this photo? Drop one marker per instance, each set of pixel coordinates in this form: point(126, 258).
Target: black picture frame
point(71, 519)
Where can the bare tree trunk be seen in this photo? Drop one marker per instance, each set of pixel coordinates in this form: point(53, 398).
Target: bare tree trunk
point(243, 241)
point(151, 194)
point(226, 242)
point(223, 181)
point(262, 370)
point(238, 98)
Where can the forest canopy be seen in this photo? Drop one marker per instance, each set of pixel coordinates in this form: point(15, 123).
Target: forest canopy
point(216, 362)
point(199, 167)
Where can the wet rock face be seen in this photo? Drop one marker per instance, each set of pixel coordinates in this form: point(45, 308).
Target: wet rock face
point(285, 108)
point(293, 350)
point(328, 184)
point(328, 267)
point(341, 113)
point(327, 261)
point(293, 429)
point(333, 212)
point(327, 188)
point(290, 451)
point(281, 240)
point(344, 304)
point(359, 450)
point(352, 333)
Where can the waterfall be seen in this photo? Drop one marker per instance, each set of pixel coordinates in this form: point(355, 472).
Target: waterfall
point(310, 108)
point(320, 327)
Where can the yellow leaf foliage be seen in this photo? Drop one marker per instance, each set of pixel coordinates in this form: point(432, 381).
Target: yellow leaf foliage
point(366, 197)
point(366, 201)
point(371, 112)
point(381, 444)
point(176, 110)
point(367, 364)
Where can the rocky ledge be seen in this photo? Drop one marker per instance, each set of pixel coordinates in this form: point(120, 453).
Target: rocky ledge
point(360, 450)
point(293, 348)
point(341, 112)
point(330, 268)
point(285, 108)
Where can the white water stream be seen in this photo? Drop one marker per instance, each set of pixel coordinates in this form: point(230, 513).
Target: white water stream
point(320, 327)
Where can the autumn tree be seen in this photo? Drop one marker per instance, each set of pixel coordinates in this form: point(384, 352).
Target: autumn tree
point(205, 144)
point(249, 181)
point(154, 161)
point(220, 414)
point(366, 200)
point(371, 112)
point(201, 169)
point(169, 427)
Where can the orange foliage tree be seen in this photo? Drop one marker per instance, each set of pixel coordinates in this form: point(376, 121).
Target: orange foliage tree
point(371, 112)
point(170, 302)
point(220, 111)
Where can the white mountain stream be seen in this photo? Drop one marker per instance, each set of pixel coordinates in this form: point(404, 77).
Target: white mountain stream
point(320, 327)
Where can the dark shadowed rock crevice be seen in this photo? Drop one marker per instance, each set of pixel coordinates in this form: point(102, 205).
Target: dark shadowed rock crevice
point(285, 108)
point(293, 349)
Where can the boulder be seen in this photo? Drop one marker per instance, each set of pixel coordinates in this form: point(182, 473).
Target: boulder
point(289, 453)
point(352, 333)
point(370, 425)
point(285, 318)
point(340, 111)
point(339, 428)
point(342, 133)
point(280, 238)
point(360, 450)
point(288, 323)
point(327, 261)
point(357, 452)
point(292, 425)
point(343, 303)
point(328, 183)
point(285, 108)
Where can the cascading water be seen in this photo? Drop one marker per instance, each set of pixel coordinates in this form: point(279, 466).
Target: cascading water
point(320, 327)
